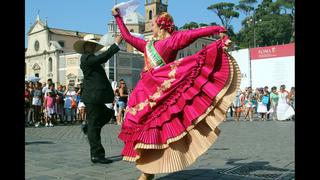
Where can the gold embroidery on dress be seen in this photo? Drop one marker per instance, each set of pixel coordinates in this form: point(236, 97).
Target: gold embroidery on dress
point(164, 86)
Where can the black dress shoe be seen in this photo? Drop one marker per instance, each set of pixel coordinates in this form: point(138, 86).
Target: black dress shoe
point(101, 160)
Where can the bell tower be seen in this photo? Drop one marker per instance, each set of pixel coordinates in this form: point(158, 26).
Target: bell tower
point(152, 8)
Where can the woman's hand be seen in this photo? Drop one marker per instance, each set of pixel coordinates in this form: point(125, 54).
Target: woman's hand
point(228, 42)
point(115, 12)
point(225, 39)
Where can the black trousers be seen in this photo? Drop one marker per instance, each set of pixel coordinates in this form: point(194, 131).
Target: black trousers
point(97, 116)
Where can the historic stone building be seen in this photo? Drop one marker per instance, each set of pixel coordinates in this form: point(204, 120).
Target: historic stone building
point(50, 54)
point(50, 51)
point(152, 8)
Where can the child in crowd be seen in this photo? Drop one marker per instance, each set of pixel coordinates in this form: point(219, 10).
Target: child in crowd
point(49, 104)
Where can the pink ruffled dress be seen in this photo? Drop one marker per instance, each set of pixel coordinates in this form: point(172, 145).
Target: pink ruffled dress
point(175, 108)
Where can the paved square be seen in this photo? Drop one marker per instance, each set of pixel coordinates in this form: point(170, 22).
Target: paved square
point(244, 150)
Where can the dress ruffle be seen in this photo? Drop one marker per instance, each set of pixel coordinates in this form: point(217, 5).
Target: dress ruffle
point(177, 105)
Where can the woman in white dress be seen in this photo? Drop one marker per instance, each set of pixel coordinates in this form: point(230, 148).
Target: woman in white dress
point(262, 104)
point(284, 110)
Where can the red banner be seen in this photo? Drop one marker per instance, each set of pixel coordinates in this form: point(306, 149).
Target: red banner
point(272, 51)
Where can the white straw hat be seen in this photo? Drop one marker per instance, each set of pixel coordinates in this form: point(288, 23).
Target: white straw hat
point(78, 46)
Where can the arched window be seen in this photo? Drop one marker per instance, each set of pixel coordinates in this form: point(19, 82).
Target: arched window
point(50, 64)
point(61, 43)
point(150, 15)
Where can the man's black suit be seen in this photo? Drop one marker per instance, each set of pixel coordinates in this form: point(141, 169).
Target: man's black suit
point(97, 91)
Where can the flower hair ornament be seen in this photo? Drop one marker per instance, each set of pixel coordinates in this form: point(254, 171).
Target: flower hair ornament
point(165, 23)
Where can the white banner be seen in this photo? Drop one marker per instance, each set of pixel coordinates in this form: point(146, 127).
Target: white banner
point(273, 72)
point(242, 58)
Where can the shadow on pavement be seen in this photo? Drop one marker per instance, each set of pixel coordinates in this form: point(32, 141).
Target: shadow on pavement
point(222, 149)
point(116, 158)
point(252, 170)
point(39, 142)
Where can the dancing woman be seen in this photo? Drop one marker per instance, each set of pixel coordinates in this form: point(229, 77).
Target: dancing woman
point(173, 112)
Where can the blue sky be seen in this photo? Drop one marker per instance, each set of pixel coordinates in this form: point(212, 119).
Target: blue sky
point(92, 16)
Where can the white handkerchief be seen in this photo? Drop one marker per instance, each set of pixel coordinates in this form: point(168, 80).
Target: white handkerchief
point(127, 7)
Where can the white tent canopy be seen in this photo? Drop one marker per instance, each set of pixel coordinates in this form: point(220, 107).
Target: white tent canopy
point(32, 78)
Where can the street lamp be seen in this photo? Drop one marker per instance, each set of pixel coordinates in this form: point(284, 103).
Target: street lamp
point(254, 21)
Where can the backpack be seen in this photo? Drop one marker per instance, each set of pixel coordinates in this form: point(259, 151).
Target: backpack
point(265, 100)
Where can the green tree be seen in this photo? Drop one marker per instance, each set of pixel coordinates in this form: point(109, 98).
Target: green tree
point(225, 12)
point(274, 27)
point(246, 6)
point(190, 25)
point(267, 7)
point(288, 6)
point(203, 24)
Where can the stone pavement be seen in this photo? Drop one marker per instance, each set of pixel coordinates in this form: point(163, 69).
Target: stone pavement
point(243, 151)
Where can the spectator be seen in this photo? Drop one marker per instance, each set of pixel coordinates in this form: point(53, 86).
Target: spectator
point(49, 104)
point(31, 86)
point(274, 98)
point(54, 92)
point(70, 104)
point(266, 91)
point(250, 103)
point(27, 104)
point(116, 105)
point(263, 100)
point(31, 110)
point(283, 105)
point(60, 103)
point(292, 101)
point(256, 96)
point(122, 100)
point(46, 87)
point(37, 103)
point(237, 106)
point(292, 96)
point(77, 100)
point(81, 106)
point(242, 100)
